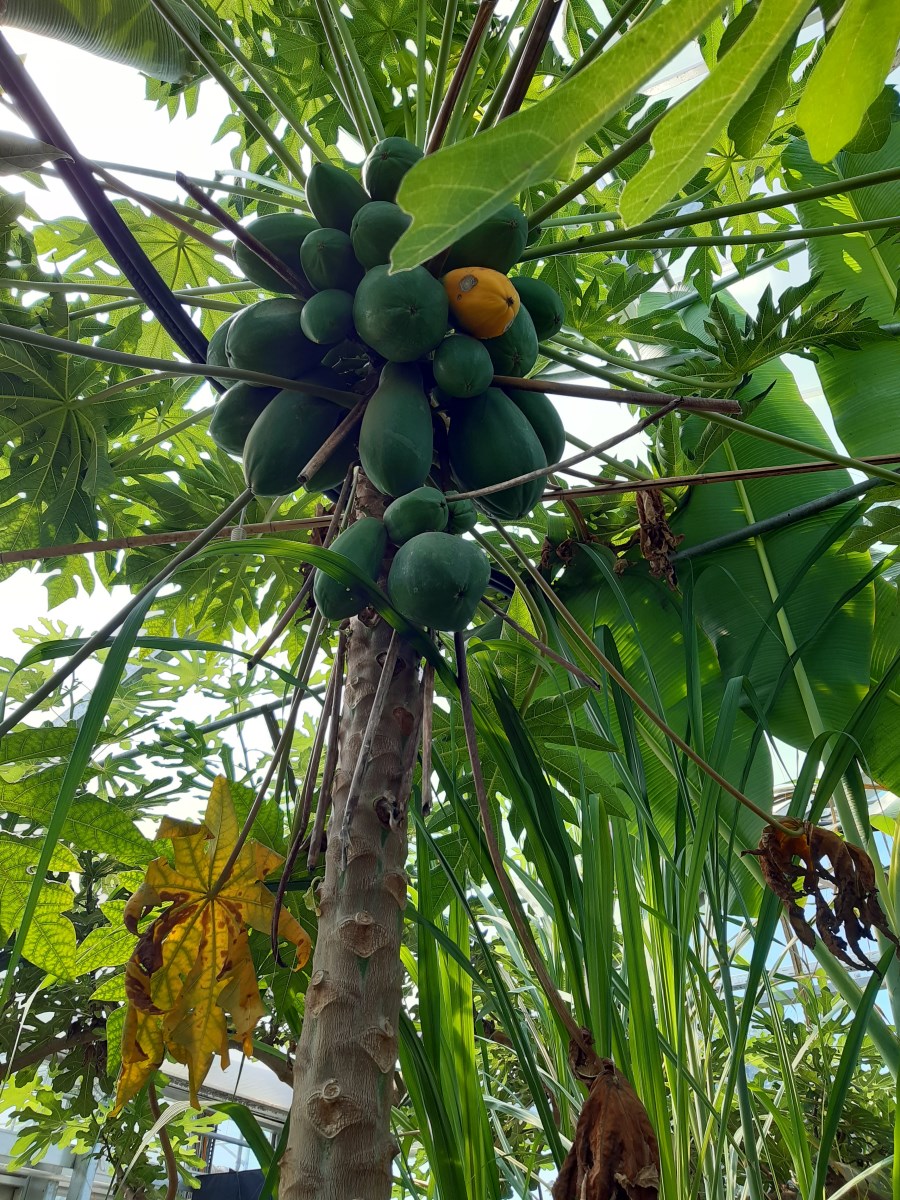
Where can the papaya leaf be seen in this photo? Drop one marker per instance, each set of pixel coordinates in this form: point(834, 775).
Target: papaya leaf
point(50, 941)
point(191, 968)
point(451, 192)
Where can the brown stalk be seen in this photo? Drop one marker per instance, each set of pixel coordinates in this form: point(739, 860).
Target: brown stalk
point(331, 755)
point(466, 60)
point(514, 904)
point(331, 443)
point(362, 760)
point(622, 486)
point(427, 732)
point(638, 426)
point(166, 1143)
point(538, 37)
point(295, 281)
point(139, 542)
point(161, 211)
point(100, 637)
point(618, 395)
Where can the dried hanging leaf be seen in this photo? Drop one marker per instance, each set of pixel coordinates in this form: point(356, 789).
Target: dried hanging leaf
point(191, 968)
point(855, 909)
point(657, 540)
point(615, 1155)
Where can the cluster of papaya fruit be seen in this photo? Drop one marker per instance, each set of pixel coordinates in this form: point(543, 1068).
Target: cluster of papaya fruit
point(436, 345)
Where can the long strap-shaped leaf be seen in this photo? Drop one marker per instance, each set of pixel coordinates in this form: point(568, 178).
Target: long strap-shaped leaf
point(127, 31)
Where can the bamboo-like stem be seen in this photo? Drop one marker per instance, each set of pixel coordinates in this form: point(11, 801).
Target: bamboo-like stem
point(791, 516)
point(141, 541)
point(31, 337)
point(105, 218)
point(98, 639)
point(620, 487)
point(612, 671)
point(538, 37)
point(291, 277)
point(440, 67)
point(591, 452)
point(591, 243)
point(617, 395)
point(349, 95)
point(235, 95)
point(335, 439)
point(255, 76)
point(612, 160)
point(164, 214)
point(286, 199)
point(489, 115)
point(331, 756)
point(513, 903)
point(752, 205)
point(467, 60)
point(362, 760)
point(427, 734)
point(356, 65)
point(602, 40)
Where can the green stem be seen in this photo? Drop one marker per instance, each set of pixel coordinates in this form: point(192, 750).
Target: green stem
point(212, 184)
point(602, 40)
point(691, 297)
point(576, 364)
point(253, 73)
point(600, 241)
point(421, 73)
point(443, 59)
point(115, 305)
point(460, 108)
point(31, 337)
point(634, 365)
point(493, 64)
point(754, 204)
point(88, 287)
point(235, 95)
point(359, 71)
point(495, 103)
point(162, 436)
point(128, 385)
point(349, 95)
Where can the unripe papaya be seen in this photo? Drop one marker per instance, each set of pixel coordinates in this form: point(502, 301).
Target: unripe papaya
point(282, 234)
point(334, 196)
point(422, 511)
point(327, 317)
point(235, 415)
point(375, 229)
point(544, 304)
point(436, 580)
point(386, 164)
point(462, 367)
point(329, 262)
point(463, 516)
point(482, 301)
point(491, 440)
point(401, 316)
point(516, 351)
point(497, 242)
point(363, 544)
point(396, 440)
point(216, 354)
point(293, 426)
point(544, 420)
point(267, 337)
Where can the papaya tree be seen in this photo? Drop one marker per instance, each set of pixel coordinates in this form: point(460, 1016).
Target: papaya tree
point(511, 897)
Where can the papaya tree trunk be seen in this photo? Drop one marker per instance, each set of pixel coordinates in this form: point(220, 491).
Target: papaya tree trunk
point(340, 1145)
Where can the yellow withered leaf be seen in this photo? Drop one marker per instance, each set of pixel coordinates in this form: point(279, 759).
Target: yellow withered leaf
point(191, 971)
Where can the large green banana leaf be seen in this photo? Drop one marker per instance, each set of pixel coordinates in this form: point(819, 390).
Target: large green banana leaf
point(733, 585)
point(128, 31)
point(880, 743)
point(860, 385)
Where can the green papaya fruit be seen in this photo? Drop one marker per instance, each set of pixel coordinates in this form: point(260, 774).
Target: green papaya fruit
point(544, 420)
point(363, 544)
point(235, 415)
point(327, 317)
point(375, 229)
point(462, 366)
point(282, 234)
point(386, 164)
point(516, 351)
point(216, 354)
point(436, 580)
point(463, 515)
point(491, 440)
point(291, 428)
point(329, 262)
point(497, 242)
point(402, 316)
point(266, 336)
point(544, 304)
point(422, 511)
point(334, 196)
point(396, 439)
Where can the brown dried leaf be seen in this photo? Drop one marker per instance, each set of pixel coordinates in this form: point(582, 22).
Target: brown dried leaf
point(657, 540)
point(615, 1155)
